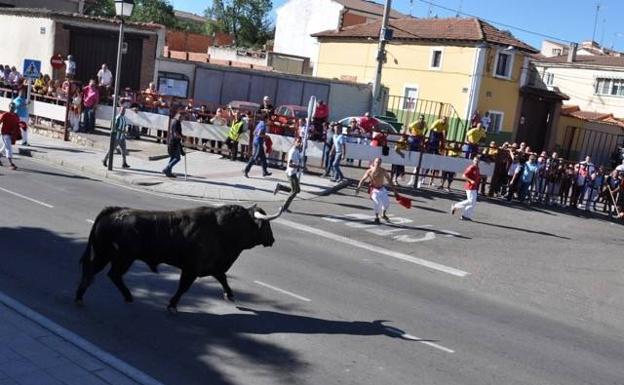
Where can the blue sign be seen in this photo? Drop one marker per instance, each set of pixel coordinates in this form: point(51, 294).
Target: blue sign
point(32, 68)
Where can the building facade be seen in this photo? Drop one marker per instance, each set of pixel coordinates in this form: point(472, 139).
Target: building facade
point(297, 20)
point(467, 63)
point(92, 41)
point(594, 83)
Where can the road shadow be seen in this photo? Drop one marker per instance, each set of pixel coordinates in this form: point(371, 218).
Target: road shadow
point(50, 173)
point(521, 229)
point(33, 148)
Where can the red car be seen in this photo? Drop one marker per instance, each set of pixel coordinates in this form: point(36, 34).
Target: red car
point(284, 122)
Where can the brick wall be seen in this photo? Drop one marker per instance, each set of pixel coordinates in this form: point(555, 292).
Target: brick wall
point(148, 61)
point(192, 42)
point(349, 19)
point(61, 46)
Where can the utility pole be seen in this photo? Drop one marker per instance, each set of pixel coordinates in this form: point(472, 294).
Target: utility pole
point(385, 34)
point(596, 21)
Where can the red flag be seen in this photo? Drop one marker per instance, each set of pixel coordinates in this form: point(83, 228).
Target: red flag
point(268, 144)
point(404, 201)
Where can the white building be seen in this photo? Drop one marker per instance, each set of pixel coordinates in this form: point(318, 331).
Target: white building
point(585, 48)
point(594, 83)
point(298, 19)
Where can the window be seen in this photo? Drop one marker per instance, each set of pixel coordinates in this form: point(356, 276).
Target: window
point(610, 87)
point(556, 51)
point(496, 121)
point(549, 78)
point(504, 64)
point(436, 59)
point(410, 97)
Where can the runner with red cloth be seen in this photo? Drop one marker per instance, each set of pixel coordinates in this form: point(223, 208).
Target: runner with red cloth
point(10, 130)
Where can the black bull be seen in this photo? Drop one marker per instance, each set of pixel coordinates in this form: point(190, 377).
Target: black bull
point(200, 242)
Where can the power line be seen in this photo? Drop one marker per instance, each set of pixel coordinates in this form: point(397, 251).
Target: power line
point(460, 12)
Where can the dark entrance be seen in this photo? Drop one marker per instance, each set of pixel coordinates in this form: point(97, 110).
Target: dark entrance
point(537, 115)
point(92, 48)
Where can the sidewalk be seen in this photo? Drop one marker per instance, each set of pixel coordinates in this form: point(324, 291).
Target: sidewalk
point(209, 176)
point(36, 351)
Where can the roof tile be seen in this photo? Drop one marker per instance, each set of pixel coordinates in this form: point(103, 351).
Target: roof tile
point(456, 29)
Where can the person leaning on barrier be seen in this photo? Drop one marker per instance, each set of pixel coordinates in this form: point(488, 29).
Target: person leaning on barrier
point(119, 137)
point(236, 129)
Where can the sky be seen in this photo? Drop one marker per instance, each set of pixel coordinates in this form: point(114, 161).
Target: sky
point(567, 20)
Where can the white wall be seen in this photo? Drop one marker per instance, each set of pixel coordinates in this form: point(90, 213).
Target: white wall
point(579, 85)
point(23, 39)
point(220, 53)
point(293, 28)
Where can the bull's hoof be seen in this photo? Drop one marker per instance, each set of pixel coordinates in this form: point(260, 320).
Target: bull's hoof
point(172, 309)
point(229, 298)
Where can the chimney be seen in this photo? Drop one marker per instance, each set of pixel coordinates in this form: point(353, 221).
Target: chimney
point(572, 52)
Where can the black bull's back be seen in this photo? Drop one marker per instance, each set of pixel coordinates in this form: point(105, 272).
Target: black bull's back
point(201, 241)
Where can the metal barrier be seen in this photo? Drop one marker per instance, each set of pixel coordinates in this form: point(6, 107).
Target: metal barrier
point(579, 142)
point(407, 110)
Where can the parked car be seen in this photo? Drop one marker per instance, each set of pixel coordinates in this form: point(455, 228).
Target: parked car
point(284, 122)
point(379, 124)
point(245, 107)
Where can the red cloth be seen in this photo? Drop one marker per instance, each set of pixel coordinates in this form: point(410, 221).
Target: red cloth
point(23, 125)
point(473, 173)
point(404, 201)
point(268, 143)
point(10, 123)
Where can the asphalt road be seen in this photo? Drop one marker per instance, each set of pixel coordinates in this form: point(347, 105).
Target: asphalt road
point(518, 297)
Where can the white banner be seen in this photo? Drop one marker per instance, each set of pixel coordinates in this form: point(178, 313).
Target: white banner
point(284, 144)
point(411, 158)
point(48, 111)
point(135, 118)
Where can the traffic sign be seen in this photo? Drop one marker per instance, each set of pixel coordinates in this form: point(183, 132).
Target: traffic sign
point(57, 62)
point(32, 68)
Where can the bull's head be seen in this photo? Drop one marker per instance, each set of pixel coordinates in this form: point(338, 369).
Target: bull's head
point(264, 226)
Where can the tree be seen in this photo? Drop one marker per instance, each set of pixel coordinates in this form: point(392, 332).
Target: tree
point(246, 20)
point(147, 11)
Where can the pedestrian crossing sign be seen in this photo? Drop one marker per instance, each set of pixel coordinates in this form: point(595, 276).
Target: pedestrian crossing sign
point(32, 68)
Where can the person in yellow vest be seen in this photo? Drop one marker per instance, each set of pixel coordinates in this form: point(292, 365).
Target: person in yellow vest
point(473, 137)
point(415, 139)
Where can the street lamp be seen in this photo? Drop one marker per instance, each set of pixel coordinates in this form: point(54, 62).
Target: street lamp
point(123, 8)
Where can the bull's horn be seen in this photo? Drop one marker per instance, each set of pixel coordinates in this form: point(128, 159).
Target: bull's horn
point(259, 215)
point(252, 207)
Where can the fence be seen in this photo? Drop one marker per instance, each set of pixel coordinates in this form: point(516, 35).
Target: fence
point(579, 142)
point(407, 110)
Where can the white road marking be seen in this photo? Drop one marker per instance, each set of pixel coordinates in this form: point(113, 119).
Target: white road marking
point(376, 249)
point(407, 239)
point(90, 221)
point(402, 334)
point(283, 291)
point(27, 198)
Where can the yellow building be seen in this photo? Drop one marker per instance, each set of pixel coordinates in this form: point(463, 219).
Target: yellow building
point(466, 64)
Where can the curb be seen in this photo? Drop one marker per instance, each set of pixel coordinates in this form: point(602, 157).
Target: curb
point(84, 345)
point(142, 184)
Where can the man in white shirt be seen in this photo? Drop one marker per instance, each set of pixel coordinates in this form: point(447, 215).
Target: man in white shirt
point(486, 121)
point(295, 164)
point(105, 81)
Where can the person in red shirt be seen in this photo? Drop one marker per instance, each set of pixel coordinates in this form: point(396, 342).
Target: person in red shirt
point(367, 123)
point(10, 132)
point(473, 179)
point(321, 114)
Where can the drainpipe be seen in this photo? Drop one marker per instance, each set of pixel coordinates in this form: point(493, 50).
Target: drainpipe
point(475, 82)
point(572, 52)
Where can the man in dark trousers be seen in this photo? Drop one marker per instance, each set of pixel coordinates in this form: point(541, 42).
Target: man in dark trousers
point(174, 144)
point(258, 147)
